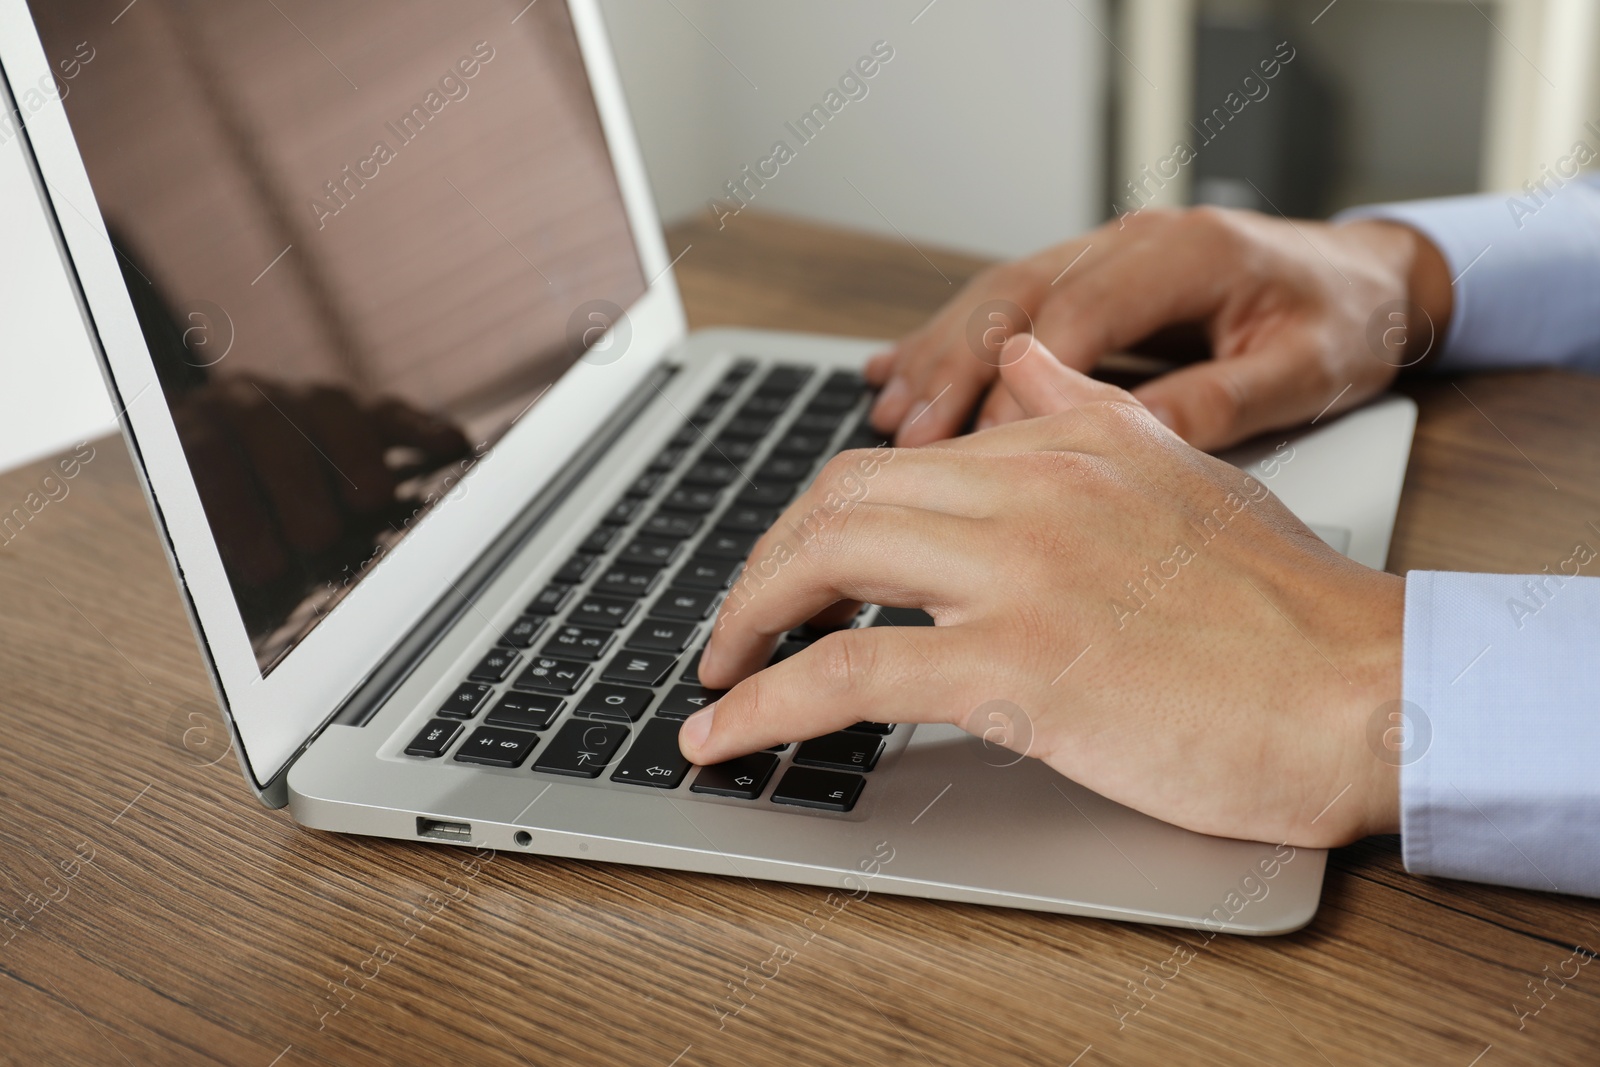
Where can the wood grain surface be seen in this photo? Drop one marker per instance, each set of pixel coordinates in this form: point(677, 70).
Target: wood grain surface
point(154, 914)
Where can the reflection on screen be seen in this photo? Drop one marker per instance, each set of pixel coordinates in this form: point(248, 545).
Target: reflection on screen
point(355, 234)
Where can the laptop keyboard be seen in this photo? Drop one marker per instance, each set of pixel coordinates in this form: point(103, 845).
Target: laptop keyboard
point(599, 671)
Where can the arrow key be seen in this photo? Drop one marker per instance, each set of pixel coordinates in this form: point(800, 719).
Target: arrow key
point(654, 759)
point(743, 778)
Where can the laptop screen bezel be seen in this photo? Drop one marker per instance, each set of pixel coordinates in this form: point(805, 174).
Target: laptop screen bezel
point(273, 716)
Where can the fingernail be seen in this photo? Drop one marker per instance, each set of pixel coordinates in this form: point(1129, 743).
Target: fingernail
point(697, 728)
point(892, 394)
point(985, 423)
point(707, 657)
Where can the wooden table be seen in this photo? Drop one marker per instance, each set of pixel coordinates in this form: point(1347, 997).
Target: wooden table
point(158, 915)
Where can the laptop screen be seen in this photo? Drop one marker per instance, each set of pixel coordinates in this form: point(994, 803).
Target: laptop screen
point(361, 238)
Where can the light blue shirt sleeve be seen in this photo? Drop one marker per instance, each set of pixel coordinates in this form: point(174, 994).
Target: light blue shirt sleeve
point(1500, 765)
point(1525, 269)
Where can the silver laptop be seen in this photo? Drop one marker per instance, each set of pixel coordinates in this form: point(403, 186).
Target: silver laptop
point(451, 496)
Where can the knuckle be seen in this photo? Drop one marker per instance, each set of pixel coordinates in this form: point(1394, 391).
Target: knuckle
point(845, 661)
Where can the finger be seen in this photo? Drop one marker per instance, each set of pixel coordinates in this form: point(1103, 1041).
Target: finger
point(880, 366)
point(943, 400)
point(1042, 384)
point(350, 442)
point(902, 557)
point(882, 674)
point(999, 407)
point(1221, 402)
point(932, 479)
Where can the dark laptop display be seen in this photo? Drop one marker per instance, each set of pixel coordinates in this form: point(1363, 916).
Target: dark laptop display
point(359, 238)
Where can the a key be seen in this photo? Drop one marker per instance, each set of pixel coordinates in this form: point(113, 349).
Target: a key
point(494, 666)
point(673, 525)
point(494, 747)
point(627, 580)
point(902, 617)
point(748, 427)
point(638, 668)
point(581, 748)
point(654, 758)
point(576, 569)
point(734, 449)
point(831, 401)
point(785, 378)
point(577, 642)
point(742, 519)
point(619, 703)
point(798, 443)
point(845, 381)
point(683, 701)
point(691, 605)
point(552, 676)
point(708, 572)
point(842, 751)
point(818, 421)
point(728, 544)
point(465, 701)
point(692, 499)
point(785, 469)
point(603, 611)
point(434, 739)
point(650, 551)
point(765, 406)
point(712, 475)
point(768, 494)
point(743, 778)
point(525, 711)
point(524, 632)
point(807, 787)
point(550, 599)
point(662, 635)
point(667, 459)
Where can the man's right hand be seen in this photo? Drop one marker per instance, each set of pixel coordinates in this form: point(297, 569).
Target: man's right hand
point(1301, 317)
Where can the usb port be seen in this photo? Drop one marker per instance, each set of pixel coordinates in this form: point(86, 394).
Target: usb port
point(444, 831)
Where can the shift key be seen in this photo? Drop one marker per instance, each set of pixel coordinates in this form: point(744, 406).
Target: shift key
point(654, 758)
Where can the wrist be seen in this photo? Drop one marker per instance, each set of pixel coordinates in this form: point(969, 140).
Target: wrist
point(1422, 270)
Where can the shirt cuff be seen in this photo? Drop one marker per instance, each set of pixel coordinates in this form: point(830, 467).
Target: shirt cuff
point(1500, 766)
point(1524, 267)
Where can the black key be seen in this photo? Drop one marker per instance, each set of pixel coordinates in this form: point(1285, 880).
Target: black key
point(842, 751)
point(765, 406)
point(681, 603)
point(645, 485)
point(619, 703)
point(600, 539)
point(742, 519)
point(654, 759)
point(714, 475)
point(494, 747)
point(638, 668)
point(683, 701)
point(552, 676)
point(577, 642)
point(525, 711)
point(576, 569)
point(667, 459)
point(823, 422)
point(674, 525)
point(802, 444)
point(740, 371)
point(582, 748)
point(786, 377)
point(652, 551)
point(833, 401)
point(627, 580)
point(734, 449)
point(495, 666)
point(623, 511)
point(808, 788)
point(728, 544)
point(879, 728)
point(708, 572)
point(603, 611)
point(786, 648)
point(706, 413)
point(524, 632)
point(434, 739)
point(662, 635)
point(845, 381)
point(691, 499)
point(785, 469)
point(902, 617)
point(743, 778)
point(465, 701)
point(768, 494)
point(691, 673)
point(685, 437)
point(550, 599)
point(751, 427)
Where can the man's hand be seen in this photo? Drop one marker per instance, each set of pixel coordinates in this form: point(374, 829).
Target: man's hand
point(1178, 641)
point(1286, 309)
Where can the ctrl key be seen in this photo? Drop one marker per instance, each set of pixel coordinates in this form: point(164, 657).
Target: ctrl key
point(806, 787)
point(434, 739)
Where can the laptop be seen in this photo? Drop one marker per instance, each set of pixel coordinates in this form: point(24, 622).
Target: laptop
point(452, 496)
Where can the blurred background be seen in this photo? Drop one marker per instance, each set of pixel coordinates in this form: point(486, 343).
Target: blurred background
point(996, 128)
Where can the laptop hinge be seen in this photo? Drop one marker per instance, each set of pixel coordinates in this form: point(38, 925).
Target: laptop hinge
point(398, 663)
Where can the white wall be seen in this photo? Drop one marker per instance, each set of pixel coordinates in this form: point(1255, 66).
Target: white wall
point(984, 132)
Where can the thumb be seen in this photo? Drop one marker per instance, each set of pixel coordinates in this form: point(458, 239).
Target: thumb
point(1041, 383)
point(1220, 402)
